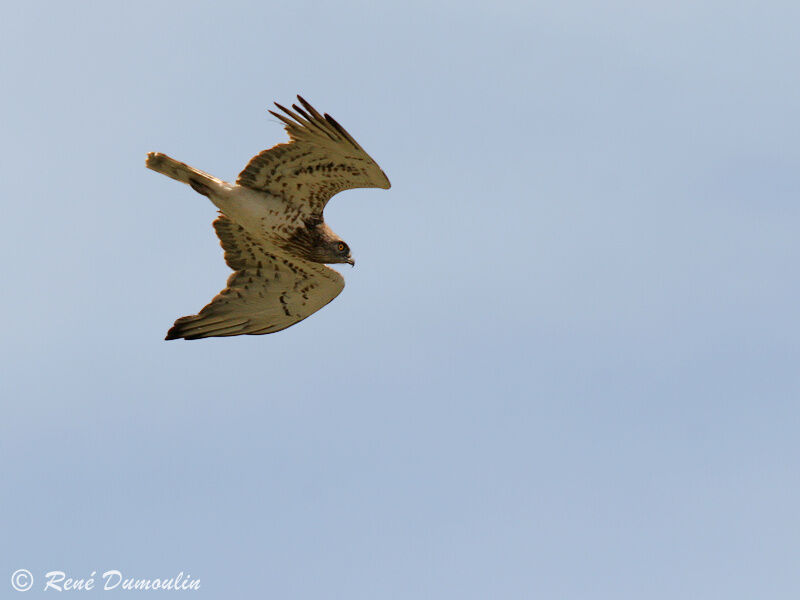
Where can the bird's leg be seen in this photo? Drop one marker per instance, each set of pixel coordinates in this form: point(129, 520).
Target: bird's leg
point(200, 188)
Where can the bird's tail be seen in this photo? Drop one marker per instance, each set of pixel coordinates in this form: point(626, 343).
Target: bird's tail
point(201, 182)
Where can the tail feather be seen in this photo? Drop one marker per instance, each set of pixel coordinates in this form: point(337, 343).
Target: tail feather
point(201, 182)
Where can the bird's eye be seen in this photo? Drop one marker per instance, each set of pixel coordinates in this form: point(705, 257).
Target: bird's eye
point(341, 247)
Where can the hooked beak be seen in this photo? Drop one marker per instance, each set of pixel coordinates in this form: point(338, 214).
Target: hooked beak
point(351, 262)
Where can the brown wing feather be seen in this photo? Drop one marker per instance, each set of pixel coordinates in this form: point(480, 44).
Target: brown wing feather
point(321, 160)
point(268, 291)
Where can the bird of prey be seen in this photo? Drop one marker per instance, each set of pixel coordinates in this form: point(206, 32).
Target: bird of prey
point(272, 229)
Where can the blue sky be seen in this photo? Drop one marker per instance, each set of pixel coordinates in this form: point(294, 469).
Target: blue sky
point(565, 365)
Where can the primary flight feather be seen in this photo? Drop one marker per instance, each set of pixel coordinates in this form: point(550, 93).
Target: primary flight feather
point(272, 228)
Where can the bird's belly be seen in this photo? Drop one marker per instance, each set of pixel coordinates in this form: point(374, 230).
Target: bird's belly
point(262, 215)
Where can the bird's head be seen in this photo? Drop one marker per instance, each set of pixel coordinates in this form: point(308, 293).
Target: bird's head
point(337, 251)
point(318, 243)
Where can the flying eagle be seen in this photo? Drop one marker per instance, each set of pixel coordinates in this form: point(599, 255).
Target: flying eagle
point(272, 229)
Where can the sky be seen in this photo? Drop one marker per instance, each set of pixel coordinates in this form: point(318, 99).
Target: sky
point(564, 366)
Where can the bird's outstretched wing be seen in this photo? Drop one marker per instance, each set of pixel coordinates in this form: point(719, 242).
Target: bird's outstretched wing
point(321, 160)
point(268, 291)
